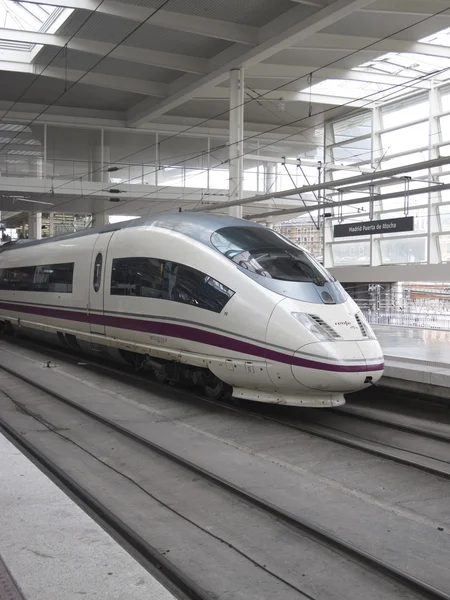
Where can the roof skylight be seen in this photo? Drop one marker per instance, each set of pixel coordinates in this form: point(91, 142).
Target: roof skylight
point(27, 16)
point(410, 68)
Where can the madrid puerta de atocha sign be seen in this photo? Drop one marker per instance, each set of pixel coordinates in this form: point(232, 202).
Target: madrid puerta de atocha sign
point(374, 227)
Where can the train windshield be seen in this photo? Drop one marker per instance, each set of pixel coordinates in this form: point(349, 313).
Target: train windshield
point(266, 253)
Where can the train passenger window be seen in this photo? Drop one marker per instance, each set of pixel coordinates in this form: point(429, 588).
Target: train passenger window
point(167, 280)
point(137, 277)
point(197, 289)
point(17, 278)
point(54, 278)
point(97, 280)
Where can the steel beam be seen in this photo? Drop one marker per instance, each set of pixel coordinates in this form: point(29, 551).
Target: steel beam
point(273, 38)
point(341, 183)
point(362, 200)
point(233, 32)
point(348, 43)
point(167, 60)
point(125, 84)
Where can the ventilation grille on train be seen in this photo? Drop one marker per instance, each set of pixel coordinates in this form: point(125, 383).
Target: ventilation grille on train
point(325, 326)
point(361, 325)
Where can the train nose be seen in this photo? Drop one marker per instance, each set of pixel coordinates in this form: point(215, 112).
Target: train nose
point(339, 366)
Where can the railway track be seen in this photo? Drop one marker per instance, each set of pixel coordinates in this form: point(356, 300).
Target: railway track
point(184, 584)
point(393, 439)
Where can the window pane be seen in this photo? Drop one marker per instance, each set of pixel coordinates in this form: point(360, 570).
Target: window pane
point(355, 253)
point(407, 159)
point(445, 128)
point(413, 250)
point(17, 278)
point(444, 150)
point(54, 278)
point(166, 280)
point(415, 136)
point(444, 243)
point(197, 289)
point(445, 99)
point(353, 127)
point(266, 253)
point(444, 214)
point(137, 277)
point(353, 152)
point(401, 113)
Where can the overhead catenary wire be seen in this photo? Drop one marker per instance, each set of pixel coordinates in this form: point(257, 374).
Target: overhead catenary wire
point(67, 88)
point(61, 50)
point(402, 85)
point(368, 96)
point(363, 199)
point(222, 113)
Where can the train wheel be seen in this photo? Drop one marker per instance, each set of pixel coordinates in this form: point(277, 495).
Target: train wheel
point(161, 374)
point(214, 388)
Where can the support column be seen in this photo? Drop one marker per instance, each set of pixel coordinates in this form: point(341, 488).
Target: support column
point(101, 218)
point(326, 232)
point(434, 138)
point(375, 163)
point(236, 136)
point(51, 225)
point(270, 177)
point(99, 158)
point(35, 226)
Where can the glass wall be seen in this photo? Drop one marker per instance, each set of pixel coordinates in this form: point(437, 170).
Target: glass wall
point(194, 164)
point(395, 134)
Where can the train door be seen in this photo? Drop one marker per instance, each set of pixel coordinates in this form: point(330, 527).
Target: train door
point(97, 282)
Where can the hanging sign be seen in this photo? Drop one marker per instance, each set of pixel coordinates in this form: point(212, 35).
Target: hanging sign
point(374, 227)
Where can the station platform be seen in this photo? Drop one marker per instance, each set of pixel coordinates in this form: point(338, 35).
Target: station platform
point(416, 360)
point(50, 549)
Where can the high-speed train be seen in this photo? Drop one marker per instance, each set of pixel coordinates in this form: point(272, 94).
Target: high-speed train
point(220, 302)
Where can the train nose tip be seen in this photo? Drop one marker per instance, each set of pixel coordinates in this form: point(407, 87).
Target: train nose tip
point(343, 366)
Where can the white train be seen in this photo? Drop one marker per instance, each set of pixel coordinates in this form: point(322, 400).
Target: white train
point(221, 302)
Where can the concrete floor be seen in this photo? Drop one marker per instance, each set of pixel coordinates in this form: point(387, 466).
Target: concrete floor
point(53, 549)
point(390, 510)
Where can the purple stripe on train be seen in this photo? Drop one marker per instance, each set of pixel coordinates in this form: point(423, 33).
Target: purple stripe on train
point(187, 333)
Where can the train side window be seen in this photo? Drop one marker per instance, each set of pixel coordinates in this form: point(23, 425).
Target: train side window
point(56, 278)
point(97, 280)
point(17, 278)
point(198, 289)
point(167, 280)
point(137, 277)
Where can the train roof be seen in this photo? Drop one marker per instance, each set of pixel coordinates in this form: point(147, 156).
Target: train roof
point(198, 226)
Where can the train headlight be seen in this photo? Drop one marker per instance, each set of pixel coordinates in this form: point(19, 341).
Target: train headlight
point(313, 327)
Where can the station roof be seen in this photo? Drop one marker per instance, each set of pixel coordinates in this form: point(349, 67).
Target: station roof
point(154, 63)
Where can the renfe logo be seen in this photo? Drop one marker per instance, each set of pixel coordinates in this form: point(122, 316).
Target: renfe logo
point(344, 323)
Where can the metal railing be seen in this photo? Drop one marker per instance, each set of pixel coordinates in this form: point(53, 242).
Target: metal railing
point(402, 319)
point(118, 173)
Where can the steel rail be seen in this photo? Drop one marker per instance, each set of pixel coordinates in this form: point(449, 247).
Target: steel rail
point(168, 574)
point(319, 533)
point(434, 435)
